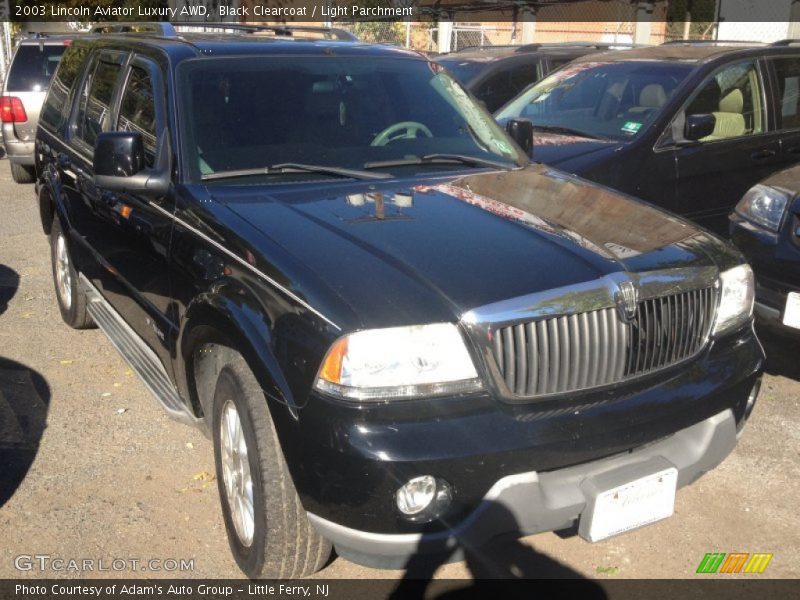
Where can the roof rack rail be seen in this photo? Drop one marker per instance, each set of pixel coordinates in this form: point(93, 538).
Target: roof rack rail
point(539, 45)
point(172, 29)
point(711, 43)
point(279, 30)
point(597, 45)
point(151, 27)
point(787, 42)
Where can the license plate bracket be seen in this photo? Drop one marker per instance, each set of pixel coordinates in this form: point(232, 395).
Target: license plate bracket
point(627, 499)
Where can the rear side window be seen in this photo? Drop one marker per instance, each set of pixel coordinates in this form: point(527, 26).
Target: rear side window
point(138, 111)
point(95, 103)
point(504, 85)
point(55, 111)
point(787, 71)
point(557, 63)
point(33, 67)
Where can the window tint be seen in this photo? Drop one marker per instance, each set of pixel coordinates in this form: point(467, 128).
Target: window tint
point(557, 63)
point(138, 111)
point(96, 100)
point(733, 96)
point(56, 107)
point(33, 66)
point(504, 85)
point(248, 113)
point(787, 71)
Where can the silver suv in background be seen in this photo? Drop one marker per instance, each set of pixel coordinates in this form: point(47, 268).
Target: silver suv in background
point(25, 87)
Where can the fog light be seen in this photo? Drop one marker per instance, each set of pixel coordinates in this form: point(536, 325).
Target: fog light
point(423, 498)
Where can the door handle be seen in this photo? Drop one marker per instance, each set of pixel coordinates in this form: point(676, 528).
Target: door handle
point(763, 154)
point(63, 161)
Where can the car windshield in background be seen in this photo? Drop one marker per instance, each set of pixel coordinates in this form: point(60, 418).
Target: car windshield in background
point(33, 67)
point(283, 115)
point(462, 69)
point(612, 100)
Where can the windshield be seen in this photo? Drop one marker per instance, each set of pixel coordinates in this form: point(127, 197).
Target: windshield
point(612, 100)
point(33, 66)
point(250, 113)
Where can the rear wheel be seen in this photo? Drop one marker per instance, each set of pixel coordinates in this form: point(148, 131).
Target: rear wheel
point(268, 530)
point(70, 297)
point(22, 173)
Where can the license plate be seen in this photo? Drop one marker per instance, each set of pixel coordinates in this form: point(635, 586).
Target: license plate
point(640, 502)
point(791, 314)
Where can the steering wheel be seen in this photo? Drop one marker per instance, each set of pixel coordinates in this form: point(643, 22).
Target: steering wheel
point(409, 130)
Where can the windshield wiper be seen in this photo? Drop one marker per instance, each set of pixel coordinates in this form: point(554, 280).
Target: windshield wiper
point(430, 159)
point(295, 168)
point(568, 131)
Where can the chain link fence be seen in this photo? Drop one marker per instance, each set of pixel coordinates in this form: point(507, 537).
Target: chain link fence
point(608, 21)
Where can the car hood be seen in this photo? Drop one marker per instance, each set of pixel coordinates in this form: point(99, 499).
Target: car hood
point(558, 150)
point(404, 252)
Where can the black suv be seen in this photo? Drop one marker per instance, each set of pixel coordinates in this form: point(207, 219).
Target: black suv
point(400, 334)
point(689, 127)
point(496, 74)
point(766, 228)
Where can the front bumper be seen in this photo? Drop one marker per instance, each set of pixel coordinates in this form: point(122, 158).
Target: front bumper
point(348, 461)
point(534, 502)
point(769, 308)
point(775, 259)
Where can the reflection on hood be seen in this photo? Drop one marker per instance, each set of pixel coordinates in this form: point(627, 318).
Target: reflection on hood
point(592, 216)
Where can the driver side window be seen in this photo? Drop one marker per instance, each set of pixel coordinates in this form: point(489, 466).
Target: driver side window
point(138, 110)
point(733, 95)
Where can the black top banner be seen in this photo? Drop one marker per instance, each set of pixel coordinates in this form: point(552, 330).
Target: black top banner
point(475, 11)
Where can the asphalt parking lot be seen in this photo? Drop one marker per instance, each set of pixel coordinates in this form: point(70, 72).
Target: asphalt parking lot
point(109, 476)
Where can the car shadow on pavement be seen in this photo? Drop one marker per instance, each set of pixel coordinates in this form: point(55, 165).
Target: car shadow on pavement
point(506, 559)
point(782, 352)
point(9, 282)
point(24, 400)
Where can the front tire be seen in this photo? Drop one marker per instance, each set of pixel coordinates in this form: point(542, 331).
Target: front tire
point(22, 173)
point(70, 297)
point(268, 530)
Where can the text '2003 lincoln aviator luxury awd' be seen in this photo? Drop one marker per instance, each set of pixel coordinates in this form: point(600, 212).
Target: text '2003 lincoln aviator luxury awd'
point(401, 336)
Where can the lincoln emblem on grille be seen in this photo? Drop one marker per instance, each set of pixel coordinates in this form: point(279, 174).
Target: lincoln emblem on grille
point(627, 300)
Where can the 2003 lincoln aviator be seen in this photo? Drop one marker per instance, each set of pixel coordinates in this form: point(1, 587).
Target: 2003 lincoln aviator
point(402, 336)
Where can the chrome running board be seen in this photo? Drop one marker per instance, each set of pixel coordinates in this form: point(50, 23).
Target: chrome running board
point(141, 358)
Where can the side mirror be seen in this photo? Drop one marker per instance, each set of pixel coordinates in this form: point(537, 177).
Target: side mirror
point(118, 154)
point(119, 164)
point(521, 131)
point(699, 126)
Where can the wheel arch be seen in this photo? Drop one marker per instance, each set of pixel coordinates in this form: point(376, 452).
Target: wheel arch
point(215, 324)
point(51, 202)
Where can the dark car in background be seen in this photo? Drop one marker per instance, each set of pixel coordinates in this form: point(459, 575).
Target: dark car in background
point(496, 74)
point(688, 127)
point(34, 62)
point(766, 228)
point(400, 334)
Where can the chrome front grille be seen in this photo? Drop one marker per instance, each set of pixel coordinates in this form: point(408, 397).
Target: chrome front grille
point(590, 349)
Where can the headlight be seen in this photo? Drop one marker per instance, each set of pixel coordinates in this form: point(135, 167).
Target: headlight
point(400, 362)
point(763, 205)
point(736, 298)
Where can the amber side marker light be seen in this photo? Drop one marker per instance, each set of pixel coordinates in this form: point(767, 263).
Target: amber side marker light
point(332, 367)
